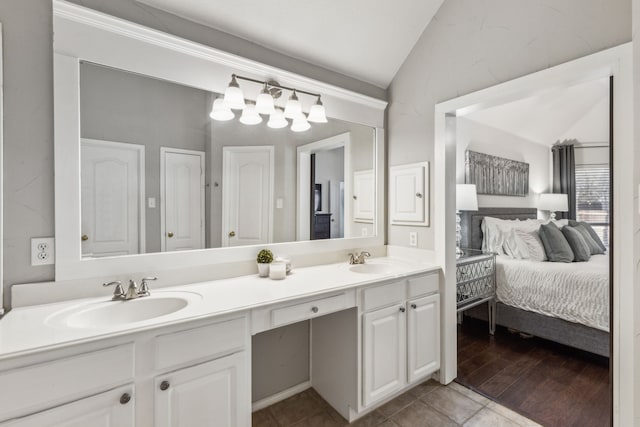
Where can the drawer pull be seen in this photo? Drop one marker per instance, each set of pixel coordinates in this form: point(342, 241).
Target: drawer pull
point(125, 398)
point(414, 306)
point(164, 385)
point(314, 309)
point(402, 309)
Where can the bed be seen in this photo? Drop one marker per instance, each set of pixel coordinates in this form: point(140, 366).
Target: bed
point(565, 303)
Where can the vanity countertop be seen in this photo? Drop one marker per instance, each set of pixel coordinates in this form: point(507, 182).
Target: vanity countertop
point(31, 329)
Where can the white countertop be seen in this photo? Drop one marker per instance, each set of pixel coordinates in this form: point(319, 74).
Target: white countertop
point(32, 329)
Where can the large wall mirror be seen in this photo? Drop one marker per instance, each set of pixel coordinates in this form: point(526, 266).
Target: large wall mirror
point(146, 179)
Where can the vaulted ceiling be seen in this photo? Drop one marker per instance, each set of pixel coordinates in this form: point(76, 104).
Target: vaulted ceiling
point(364, 39)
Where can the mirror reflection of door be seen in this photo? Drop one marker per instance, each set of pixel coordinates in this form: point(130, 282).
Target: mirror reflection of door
point(247, 195)
point(182, 195)
point(112, 197)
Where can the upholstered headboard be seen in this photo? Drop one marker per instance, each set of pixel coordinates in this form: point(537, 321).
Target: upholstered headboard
point(472, 222)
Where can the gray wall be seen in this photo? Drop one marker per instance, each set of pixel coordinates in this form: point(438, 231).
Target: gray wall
point(124, 107)
point(471, 45)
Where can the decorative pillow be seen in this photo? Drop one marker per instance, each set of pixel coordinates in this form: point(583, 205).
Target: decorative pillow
point(593, 245)
point(591, 231)
point(514, 246)
point(533, 243)
point(555, 244)
point(581, 250)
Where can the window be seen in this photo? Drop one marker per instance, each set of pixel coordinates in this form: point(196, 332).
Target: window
point(592, 198)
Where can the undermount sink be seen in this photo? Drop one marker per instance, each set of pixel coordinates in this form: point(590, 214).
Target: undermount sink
point(375, 268)
point(115, 313)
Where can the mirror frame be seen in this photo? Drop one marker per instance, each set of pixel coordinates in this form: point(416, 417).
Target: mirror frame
point(82, 34)
point(1, 174)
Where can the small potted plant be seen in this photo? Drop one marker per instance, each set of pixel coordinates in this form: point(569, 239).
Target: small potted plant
point(264, 258)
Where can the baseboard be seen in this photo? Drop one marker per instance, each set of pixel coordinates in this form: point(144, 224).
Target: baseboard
point(270, 400)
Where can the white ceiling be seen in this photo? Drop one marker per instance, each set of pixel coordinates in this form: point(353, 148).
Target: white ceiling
point(365, 39)
point(577, 112)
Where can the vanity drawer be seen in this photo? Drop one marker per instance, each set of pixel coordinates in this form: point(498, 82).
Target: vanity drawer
point(382, 296)
point(34, 388)
point(424, 285)
point(204, 342)
point(287, 313)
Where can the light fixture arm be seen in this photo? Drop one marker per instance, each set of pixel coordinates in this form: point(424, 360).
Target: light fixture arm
point(274, 84)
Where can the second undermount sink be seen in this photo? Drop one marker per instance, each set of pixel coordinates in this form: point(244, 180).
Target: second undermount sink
point(375, 268)
point(116, 313)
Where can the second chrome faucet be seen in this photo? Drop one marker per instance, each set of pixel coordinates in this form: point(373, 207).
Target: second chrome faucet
point(358, 259)
point(132, 292)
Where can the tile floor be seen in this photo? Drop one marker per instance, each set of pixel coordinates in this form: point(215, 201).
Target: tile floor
point(426, 405)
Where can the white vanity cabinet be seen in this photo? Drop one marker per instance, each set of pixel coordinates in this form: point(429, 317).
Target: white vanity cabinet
point(401, 335)
point(112, 408)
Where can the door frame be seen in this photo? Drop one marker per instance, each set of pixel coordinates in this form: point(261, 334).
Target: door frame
point(303, 211)
point(142, 191)
point(616, 62)
point(163, 202)
point(224, 237)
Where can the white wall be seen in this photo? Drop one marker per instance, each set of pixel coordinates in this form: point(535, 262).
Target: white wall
point(488, 140)
point(593, 127)
point(471, 45)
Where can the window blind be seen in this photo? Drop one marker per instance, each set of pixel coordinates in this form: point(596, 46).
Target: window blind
point(592, 198)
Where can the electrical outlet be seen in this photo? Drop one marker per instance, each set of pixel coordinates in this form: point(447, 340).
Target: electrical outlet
point(413, 238)
point(42, 251)
point(365, 232)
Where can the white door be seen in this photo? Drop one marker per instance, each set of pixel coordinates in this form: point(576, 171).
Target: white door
point(247, 195)
point(104, 410)
point(182, 206)
point(407, 194)
point(112, 198)
point(384, 353)
point(423, 334)
point(363, 196)
point(211, 394)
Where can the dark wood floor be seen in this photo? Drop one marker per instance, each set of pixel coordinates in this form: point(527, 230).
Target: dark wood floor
point(547, 382)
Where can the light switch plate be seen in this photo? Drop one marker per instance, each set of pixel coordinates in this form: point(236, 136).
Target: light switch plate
point(413, 238)
point(152, 202)
point(42, 251)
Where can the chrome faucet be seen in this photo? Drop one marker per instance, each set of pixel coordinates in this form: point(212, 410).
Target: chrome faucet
point(132, 292)
point(358, 259)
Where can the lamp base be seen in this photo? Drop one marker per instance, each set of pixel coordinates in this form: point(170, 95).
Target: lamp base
point(552, 216)
point(459, 252)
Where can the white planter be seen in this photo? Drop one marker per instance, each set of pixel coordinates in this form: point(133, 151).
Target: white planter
point(263, 269)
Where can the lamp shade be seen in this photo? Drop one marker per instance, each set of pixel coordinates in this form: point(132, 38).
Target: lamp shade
point(220, 111)
point(250, 116)
point(233, 96)
point(277, 120)
point(466, 197)
point(293, 108)
point(264, 102)
point(317, 113)
point(300, 123)
point(553, 202)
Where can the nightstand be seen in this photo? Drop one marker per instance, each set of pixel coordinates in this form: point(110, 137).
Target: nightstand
point(476, 283)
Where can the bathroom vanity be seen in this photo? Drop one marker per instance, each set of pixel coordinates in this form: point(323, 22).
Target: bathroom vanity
point(183, 355)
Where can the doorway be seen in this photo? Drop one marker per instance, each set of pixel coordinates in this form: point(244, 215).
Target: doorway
point(614, 62)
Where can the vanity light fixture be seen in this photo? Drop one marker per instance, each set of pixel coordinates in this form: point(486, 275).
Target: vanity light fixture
point(220, 111)
point(265, 104)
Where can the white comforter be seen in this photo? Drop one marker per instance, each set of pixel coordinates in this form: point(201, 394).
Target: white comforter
point(577, 292)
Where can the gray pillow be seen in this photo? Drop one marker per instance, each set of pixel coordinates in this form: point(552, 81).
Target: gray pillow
point(591, 231)
point(581, 250)
point(593, 245)
point(555, 244)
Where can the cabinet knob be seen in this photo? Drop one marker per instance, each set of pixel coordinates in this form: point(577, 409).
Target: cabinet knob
point(355, 197)
point(314, 309)
point(164, 385)
point(125, 398)
point(232, 234)
point(170, 234)
point(84, 238)
point(402, 309)
point(419, 195)
point(414, 306)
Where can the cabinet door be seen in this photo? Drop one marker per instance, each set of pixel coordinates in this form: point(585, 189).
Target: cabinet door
point(384, 351)
point(423, 334)
point(104, 409)
point(364, 199)
point(408, 198)
point(214, 393)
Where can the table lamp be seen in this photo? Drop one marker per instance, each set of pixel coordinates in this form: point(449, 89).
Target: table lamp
point(466, 200)
point(553, 202)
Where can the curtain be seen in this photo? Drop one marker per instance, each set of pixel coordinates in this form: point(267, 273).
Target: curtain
point(564, 175)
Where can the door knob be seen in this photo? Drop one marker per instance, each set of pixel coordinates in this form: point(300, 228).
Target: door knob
point(232, 234)
point(170, 234)
point(84, 237)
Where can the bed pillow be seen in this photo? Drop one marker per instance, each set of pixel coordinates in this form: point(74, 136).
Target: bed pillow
point(533, 243)
point(580, 248)
point(514, 246)
point(591, 231)
point(555, 244)
point(593, 245)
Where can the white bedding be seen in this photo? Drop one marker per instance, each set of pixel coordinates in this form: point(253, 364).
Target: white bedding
point(577, 291)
